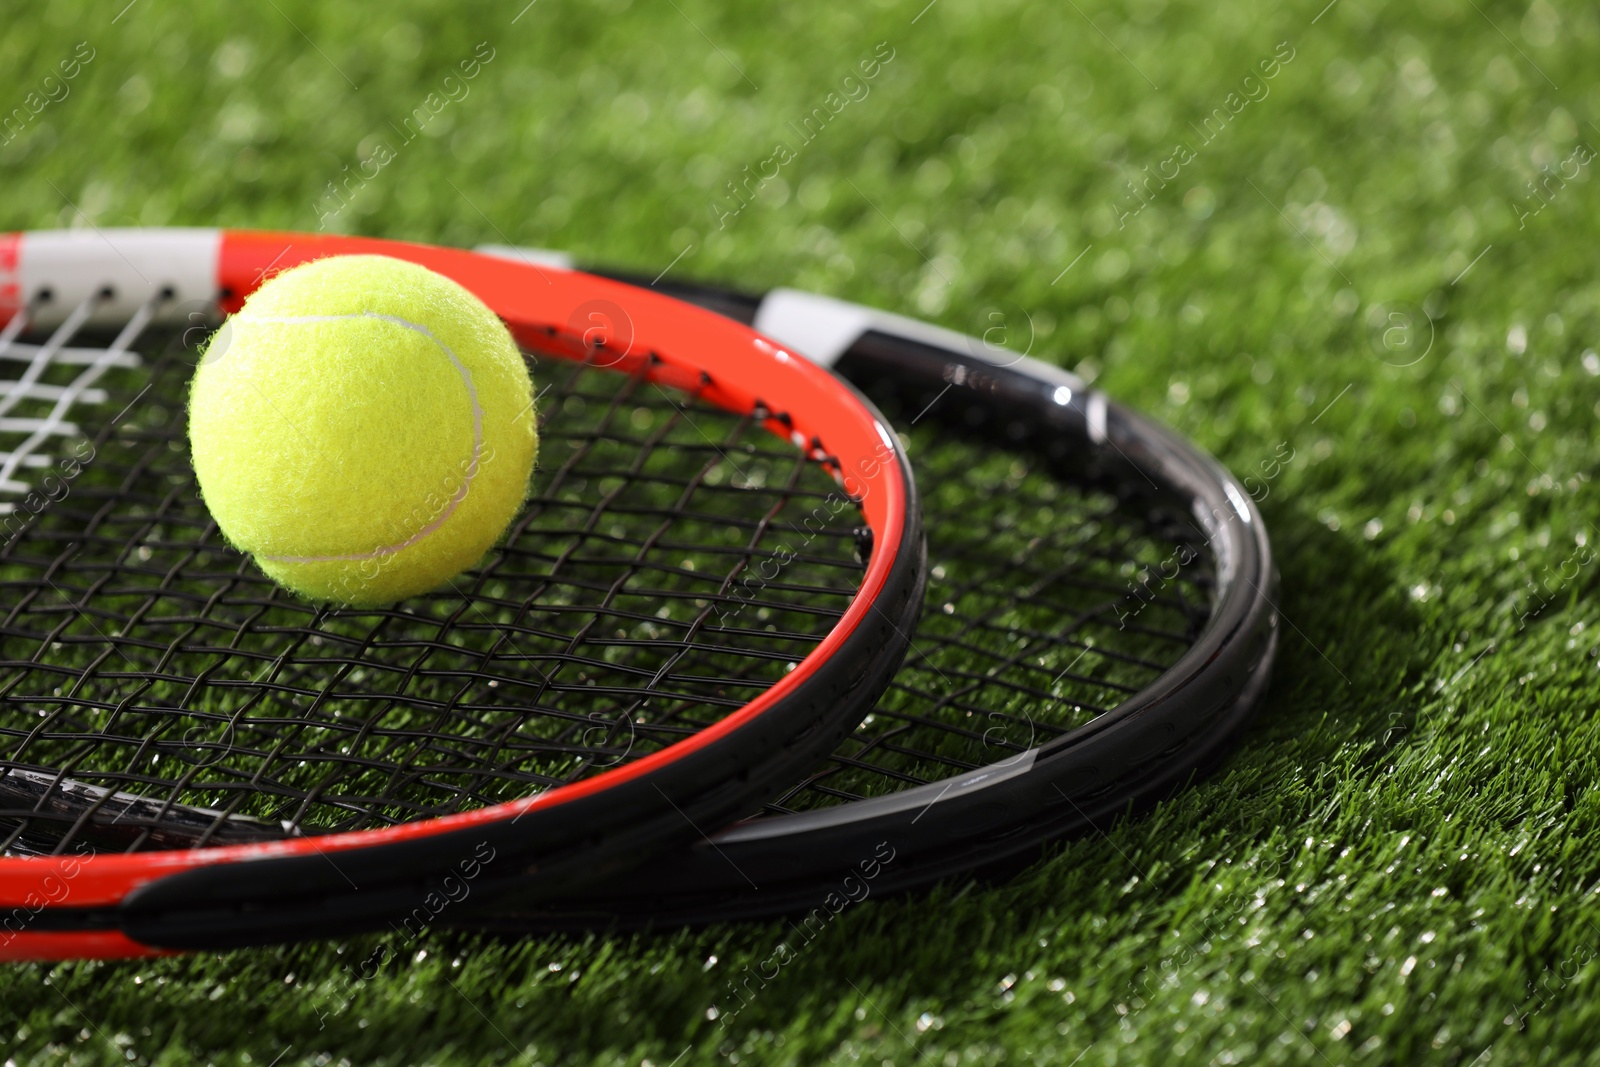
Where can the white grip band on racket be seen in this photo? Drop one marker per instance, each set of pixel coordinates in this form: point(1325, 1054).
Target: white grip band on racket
point(119, 270)
point(537, 257)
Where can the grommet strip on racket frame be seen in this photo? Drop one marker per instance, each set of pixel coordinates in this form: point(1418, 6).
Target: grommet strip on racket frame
point(1100, 622)
point(715, 576)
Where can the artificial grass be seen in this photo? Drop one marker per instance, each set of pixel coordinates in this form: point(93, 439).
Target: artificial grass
point(1395, 867)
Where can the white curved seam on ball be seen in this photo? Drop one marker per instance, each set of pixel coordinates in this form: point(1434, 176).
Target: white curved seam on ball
point(477, 435)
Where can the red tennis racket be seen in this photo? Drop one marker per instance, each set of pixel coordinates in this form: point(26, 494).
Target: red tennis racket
point(714, 579)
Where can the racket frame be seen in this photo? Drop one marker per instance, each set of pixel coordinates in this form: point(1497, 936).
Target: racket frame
point(142, 903)
point(998, 815)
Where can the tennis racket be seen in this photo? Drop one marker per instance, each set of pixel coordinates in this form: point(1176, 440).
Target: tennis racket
point(1099, 622)
point(716, 574)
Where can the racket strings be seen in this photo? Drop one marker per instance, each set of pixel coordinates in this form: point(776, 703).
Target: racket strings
point(1048, 604)
point(625, 721)
point(27, 439)
point(157, 691)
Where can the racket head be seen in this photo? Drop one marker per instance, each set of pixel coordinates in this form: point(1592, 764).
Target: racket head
point(1080, 704)
point(147, 864)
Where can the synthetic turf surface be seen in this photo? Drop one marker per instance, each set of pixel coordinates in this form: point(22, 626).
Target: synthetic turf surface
point(1398, 864)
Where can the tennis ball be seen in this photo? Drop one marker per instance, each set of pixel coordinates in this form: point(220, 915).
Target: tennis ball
point(364, 428)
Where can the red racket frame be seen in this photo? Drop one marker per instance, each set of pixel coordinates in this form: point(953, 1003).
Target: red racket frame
point(745, 370)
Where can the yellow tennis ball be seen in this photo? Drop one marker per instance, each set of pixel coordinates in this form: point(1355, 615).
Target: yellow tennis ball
point(364, 428)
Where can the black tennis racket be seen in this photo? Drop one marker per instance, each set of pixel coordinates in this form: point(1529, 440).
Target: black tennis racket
point(1099, 621)
point(716, 575)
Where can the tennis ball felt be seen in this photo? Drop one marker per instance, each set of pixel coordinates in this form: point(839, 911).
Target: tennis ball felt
point(364, 428)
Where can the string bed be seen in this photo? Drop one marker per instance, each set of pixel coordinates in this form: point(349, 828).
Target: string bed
point(1048, 603)
point(156, 691)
